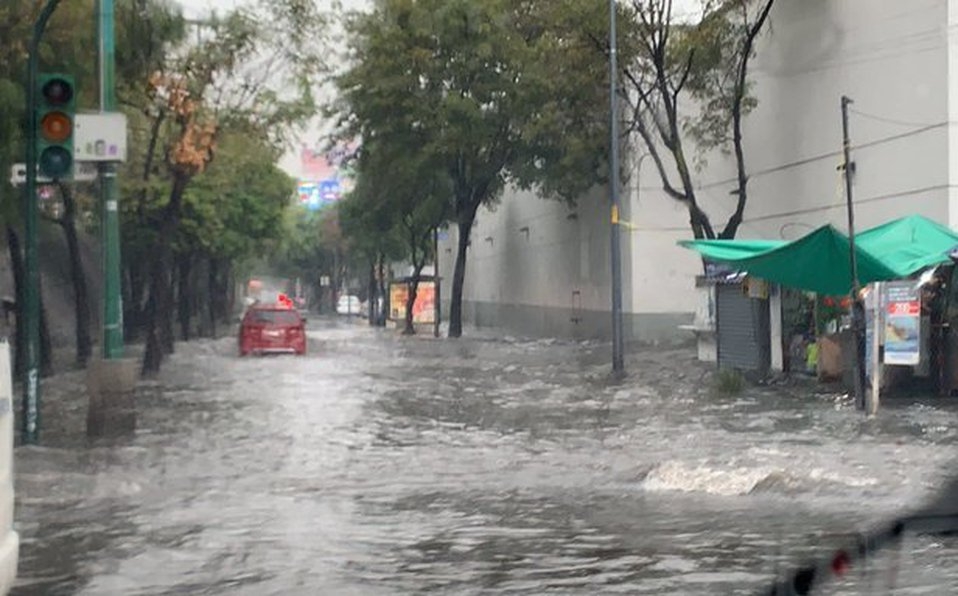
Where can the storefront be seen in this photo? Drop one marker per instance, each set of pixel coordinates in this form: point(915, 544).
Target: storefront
point(907, 264)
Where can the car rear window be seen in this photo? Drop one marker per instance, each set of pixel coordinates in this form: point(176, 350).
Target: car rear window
point(273, 317)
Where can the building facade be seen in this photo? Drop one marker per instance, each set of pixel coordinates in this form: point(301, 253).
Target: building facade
point(537, 267)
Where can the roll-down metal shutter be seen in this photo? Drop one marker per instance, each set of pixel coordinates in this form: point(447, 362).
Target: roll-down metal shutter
point(743, 330)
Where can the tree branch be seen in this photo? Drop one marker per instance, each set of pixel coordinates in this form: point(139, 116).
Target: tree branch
point(738, 96)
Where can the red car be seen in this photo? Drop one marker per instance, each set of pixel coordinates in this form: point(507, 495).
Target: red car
point(272, 330)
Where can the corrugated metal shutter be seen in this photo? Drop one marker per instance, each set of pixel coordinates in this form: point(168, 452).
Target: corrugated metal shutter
point(743, 330)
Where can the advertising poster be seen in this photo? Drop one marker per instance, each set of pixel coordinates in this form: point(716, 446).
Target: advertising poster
point(424, 309)
point(902, 323)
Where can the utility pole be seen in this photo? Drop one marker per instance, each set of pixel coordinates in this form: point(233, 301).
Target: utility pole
point(858, 311)
point(618, 363)
point(29, 312)
point(110, 234)
point(435, 281)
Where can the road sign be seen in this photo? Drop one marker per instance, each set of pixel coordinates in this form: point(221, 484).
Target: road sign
point(100, 137)
point(82, 172)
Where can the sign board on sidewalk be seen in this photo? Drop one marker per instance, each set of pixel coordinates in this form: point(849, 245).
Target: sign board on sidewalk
point(100, 137)
point(423, 310)
point(82, 172)
point(902, 323)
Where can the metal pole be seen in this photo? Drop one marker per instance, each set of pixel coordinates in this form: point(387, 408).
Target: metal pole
point(435, 282)
point(110, 235)
point(618, 364)
point(30, 312)
point(858, 327)
point(878, 314)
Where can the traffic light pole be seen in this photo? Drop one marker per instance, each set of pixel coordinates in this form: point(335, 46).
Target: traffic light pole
point(112, 301)
point(29, 299)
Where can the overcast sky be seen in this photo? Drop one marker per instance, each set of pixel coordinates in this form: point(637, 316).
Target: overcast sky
point(199, 8)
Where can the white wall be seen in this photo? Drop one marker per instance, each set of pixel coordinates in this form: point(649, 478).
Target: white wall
point(889, 57)
point(892, 58)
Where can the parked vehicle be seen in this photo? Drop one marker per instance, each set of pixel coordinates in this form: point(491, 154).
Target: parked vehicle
point(272, 330)
point(9, 539)
point(349, 305)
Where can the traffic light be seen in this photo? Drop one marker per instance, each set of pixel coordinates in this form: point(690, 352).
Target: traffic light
point(55, 123)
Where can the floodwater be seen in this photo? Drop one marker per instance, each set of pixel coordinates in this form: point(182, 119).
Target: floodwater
point(379, 464)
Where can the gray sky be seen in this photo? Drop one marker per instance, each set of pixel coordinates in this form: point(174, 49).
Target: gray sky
point(311, 136)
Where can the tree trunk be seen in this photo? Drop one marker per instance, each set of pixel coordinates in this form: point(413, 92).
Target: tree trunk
point(19, 280)
point(160, 304)
point(167, 335)
point(153, 354)
point(372, 314)
point(81, 298)
point(382, 291)
point(211, 296)
point(135, 311)
point(225, 302)
point(184, 294)
point(459, 274)
point(46, 346)
point(16, 262)
point(229, 291)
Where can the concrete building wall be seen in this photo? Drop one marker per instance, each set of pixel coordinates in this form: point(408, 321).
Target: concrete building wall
point(899, 64)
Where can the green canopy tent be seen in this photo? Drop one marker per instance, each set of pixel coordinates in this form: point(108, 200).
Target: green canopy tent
point(727, 251)
point(819, 261)
point(909, 244)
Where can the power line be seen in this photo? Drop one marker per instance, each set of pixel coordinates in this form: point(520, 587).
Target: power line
point(839, 205)
point(890, 120)
point(824, 156)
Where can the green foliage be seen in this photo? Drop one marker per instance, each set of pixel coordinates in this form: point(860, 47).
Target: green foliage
point(717, 41)
point(492, 89)
point(234, 210)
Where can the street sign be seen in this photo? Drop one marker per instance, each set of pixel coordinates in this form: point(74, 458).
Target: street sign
point(100, 137)
point(82, 172)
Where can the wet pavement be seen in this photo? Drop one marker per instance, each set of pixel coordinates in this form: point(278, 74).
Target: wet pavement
point(379, 464)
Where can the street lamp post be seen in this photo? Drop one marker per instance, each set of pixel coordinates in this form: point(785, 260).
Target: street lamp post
point(112, 300)
point(618, 362)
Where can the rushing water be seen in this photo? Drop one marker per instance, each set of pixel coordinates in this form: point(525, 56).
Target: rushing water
point(383, 465)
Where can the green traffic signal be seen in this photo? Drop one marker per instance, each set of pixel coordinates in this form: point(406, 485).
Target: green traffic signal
point(56, 110)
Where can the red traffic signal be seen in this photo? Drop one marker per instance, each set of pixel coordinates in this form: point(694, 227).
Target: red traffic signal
point(284, 301)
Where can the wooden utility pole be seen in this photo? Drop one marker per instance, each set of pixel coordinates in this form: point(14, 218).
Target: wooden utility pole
point(858, 312)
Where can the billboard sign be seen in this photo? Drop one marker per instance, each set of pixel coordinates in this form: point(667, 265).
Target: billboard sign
point(902, 323)
point(424, 309)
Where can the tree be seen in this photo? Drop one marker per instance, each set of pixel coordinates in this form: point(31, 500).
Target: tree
point(68, 45)
point(371, 226)
point(232, 212)
point(708, 60)
point(483, 84)
point(251, 73)
point(406, 197)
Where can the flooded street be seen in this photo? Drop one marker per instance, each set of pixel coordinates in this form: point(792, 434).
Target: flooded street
point(383, 465)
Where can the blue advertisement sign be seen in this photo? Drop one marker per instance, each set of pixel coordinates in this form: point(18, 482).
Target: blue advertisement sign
point(902, 323)
point(316, 195)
